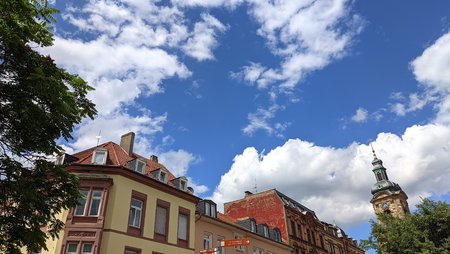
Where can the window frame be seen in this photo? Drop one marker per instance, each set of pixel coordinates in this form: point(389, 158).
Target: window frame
point(99, 151)
point(164, 205)
point(239, 247)
point(220, 249)
point(88, 202)
point(184, 212)
point(136, 166)
point(132, 250)
point(207, 236)
point(133, 230)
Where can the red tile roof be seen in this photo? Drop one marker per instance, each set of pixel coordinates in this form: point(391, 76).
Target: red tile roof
point(118, 157)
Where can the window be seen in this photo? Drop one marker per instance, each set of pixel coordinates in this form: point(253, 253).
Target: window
point(140, 166)
point(183, 227)
point(96, 200)
point(161, 220)
point(252, 225)
point(221, 250)
point(210, 209)
point(321, 241)
point(135, 213)
point(313, 236)
point(182, 185)
point(93, 198)
point(207, 241)
point(240, 247)
point(258, 251)
point(72, 248)
point(265, 231)
point(131, 250)
point(85, 248)
point(99, 157)
point(292, 228)
point(162, 176)
point(299, 231)
point(60, 160)
point(277, 234)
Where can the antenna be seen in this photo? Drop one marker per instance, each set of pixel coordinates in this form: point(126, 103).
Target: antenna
point(98, 137)
point(256, 186)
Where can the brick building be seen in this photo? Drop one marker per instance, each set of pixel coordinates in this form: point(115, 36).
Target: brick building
point(298, 225)
point(213, 227)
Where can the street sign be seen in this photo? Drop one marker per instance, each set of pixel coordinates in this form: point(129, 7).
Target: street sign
point(210, 251)
point(235, 242)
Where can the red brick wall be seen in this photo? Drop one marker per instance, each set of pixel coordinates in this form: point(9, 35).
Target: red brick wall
point(265, 207)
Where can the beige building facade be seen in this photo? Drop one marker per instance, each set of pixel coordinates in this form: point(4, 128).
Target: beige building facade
point(130, 205)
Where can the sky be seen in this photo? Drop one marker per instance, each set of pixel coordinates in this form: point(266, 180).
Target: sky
point(258, 94)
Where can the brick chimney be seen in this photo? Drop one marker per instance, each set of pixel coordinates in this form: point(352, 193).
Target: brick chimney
point(248, 193)
point(154, 158)
point(127, 142)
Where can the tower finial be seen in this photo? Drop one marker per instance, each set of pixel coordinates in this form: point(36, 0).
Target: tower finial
point(373, 150)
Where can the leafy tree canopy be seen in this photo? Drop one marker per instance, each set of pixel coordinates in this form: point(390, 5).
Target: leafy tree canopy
point(425, 231)
point(39, 103)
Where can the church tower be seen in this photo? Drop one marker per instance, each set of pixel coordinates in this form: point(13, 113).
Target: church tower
point(387, 196)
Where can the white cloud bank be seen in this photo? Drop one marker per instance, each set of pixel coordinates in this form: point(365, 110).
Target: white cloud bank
point(336, 182)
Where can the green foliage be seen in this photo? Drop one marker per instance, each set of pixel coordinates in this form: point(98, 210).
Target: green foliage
point(39, 103)
point(425, 231)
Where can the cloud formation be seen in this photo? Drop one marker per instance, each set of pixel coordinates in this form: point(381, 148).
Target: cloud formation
point(336, 182)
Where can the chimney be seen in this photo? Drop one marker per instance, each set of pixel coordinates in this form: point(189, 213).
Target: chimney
point(154, 158)
point(127, 142)
point(248, 193)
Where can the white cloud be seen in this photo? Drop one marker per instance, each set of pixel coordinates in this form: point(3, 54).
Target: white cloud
point(178, 161)
point(336, 182)
point(360, 115)
point(203, 39)
point(308, 35)
point(261, 120)
point(431, 69)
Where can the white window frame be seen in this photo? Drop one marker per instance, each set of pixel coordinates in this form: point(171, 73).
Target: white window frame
point(253, 225)
point(207, 238)
point(162, 176)
point(136, 166)
point(221, 250)
point(265, 231)
point(99, 203)
point(96, 153)
point(185, 228)
point(82, 248)
point(183, 185)
point(86, 198)
point(72, 243)
point(132, 221)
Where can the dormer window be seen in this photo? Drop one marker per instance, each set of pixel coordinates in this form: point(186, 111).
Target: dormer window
point(60, 159)
point(182, 185)
point(210, 209)
point(99, 156)
point(277, 235)
point(252, 225)
point(265, 231)
point(139, 166)
point(162, 176)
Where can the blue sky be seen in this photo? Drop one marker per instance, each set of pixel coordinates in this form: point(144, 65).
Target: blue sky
point(273, 94)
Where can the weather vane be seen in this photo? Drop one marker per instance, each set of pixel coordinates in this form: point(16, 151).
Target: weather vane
point(98, 137)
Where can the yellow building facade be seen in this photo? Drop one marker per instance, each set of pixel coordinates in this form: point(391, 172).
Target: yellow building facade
point(130, 205)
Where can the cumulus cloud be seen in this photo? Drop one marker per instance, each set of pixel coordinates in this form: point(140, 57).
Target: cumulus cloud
point(178, 161)
point(360, 115)
point(203, 39)
point(336, 182)
point(307, 35)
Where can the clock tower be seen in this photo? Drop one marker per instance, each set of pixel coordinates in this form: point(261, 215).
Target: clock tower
point(387, 196)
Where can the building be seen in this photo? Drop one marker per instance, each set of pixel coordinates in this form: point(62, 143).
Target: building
point(387, 196)
point(213, 227)
point(130, 205)
point(298, 225)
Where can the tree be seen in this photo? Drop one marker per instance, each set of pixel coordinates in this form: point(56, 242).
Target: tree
point(39, 104)
point(427, 230)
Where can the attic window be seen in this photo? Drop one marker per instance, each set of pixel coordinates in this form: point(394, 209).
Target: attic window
point(182, 185)
point(210, 209)
point(140, 166)
point(99, 157)
point(162, 176)
point(265, 231)
point(252, 225)
point(60, 159)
